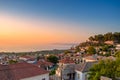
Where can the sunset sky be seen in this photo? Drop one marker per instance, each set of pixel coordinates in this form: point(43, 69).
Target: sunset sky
point(30, 25)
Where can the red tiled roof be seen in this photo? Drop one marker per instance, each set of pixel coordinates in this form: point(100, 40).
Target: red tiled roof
point(67, 60)
point(45, 63)
point(28, 57)
point(19, 71)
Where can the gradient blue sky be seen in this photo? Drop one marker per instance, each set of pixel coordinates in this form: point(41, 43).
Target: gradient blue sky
point(74, 19)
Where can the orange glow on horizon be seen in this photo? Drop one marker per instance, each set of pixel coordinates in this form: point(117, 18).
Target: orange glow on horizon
point(16, 31)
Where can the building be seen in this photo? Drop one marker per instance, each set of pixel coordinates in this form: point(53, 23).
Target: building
point(92, 58)
point(44, 64)
point(118, 47)
point(22, 71)
point(26, 58)
point(81, 70)
point(109, 42)
point(66, 69)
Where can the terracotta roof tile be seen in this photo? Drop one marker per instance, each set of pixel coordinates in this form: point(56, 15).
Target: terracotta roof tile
point(45, 63)
point(67, 60)
point(28, 57)
point(19, 71)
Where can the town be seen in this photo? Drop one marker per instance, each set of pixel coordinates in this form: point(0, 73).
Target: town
point(59, 39)
point(95, 59)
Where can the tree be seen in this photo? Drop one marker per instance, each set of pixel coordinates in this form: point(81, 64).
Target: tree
point(12, 61)
point(101, 69)
point(91, 50)
point(105, 48)
point(38, 58)
point(116, 37)
point(117, 54)
point(100, 38)
point(108, 36)
point(52, 59)
point(52, 72)
point(66, 52)
point(91, 38)
point(108, 68)
point(77, 49)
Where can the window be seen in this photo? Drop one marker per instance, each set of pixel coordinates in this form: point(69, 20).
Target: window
point(43, 79)
point(78, 76)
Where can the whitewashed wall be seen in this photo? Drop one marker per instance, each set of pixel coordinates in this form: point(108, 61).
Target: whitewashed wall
point(40, 77)
point(82, 76)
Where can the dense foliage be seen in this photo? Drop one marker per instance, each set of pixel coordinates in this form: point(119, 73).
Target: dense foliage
point(107, 68)
point(52, 72)
point(91, 50)
point(52, 59)
point(106, 37)
point(90, 43)
point(12, 62)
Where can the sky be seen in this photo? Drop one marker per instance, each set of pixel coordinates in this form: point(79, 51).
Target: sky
point(30, 25)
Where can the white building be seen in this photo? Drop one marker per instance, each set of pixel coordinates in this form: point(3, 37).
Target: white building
point(92, 58)
point(118, 46)
point(39, 77)
point(82, 70)
point(26, 58)
point(66, 69)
